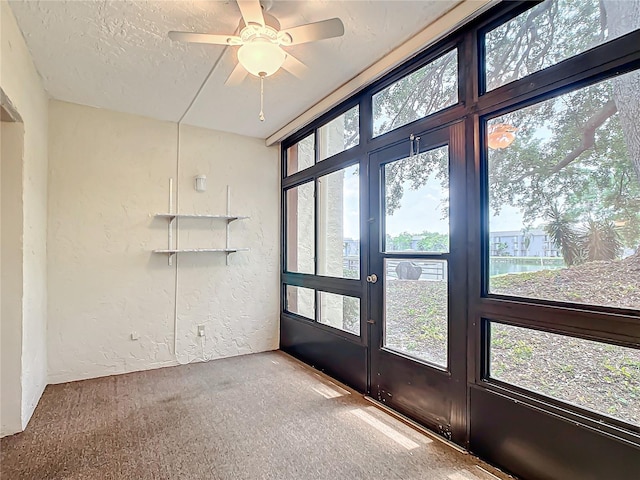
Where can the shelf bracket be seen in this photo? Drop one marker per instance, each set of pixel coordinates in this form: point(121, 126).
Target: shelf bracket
point(171, 220)
point(228, 222)
point(173, 224)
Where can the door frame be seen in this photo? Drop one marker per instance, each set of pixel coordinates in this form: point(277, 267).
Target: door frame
point(434, 395)
point(485, 425)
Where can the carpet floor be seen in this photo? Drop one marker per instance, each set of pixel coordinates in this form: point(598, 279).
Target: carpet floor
point(263, 416)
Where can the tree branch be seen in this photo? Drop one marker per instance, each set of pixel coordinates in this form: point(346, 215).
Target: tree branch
point(588, 135)
point(586, 142)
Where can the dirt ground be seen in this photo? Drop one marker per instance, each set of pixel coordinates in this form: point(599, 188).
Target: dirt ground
point(615, 283)
point(597, 376)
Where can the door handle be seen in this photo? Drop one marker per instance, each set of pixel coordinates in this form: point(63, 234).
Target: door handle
point(373, 278)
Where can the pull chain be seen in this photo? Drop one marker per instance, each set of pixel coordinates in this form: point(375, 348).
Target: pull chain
point(261, 116)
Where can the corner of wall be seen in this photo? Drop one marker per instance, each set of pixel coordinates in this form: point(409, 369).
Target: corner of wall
point(22, 84)
point(113, 302)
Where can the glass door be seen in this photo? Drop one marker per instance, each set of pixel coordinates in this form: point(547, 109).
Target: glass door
point(417, 279)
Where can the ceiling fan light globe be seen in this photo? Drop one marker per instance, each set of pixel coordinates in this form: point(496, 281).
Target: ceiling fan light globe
point(261, 58)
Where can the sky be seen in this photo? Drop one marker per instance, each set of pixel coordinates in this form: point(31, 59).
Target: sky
point(419, 210)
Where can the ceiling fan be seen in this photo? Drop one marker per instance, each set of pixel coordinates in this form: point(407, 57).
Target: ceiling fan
point(261, 41)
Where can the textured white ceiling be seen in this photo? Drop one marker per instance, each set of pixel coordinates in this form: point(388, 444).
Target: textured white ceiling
point(116, 55)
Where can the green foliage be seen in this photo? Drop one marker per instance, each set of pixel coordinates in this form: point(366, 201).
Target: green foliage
point(401, 242)
point(433, 331)
point(572, 151)
point(599, 240)
point(411, 98)
point(351, 128)
point(561, 232)
point(522, 350)
point(501, 249)
point(625, 373)
point(433, 242)
point(526, 239)
point(350, 273)
point(425, 241)
point(351, 314)
point(413, 172)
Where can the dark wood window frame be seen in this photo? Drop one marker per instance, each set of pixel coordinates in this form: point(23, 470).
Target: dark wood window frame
point(607, 324)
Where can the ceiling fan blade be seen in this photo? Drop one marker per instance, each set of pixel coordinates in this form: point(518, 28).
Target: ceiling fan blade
point(205, 38)
point(313, 31)
point(251, 12)
point(237, 76)
point(294, 66)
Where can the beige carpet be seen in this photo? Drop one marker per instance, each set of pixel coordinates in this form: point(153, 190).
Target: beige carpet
point(261, 416)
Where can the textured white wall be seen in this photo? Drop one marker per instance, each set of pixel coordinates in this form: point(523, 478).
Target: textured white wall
point(22, 85)
point(238, 304)
point(11, 145)
point(108, 172)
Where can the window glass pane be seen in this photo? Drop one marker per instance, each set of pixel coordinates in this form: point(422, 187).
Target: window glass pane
point(301, 301)
point(339, 223)
point(564, 195)
point(415, 308)
point(340, 312)
point(416, 191)
point(598, 376)
point(300, 228)
point(421, 93)
point(551, 32)
point(340, 133)
point(301, 155)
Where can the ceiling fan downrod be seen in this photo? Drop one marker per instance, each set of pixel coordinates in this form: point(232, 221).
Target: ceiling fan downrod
point(261, 115)
point(261, 43)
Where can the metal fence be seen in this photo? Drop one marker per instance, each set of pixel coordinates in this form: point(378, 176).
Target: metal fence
point(431, 269)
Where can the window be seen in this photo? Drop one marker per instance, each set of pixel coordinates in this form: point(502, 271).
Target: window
point(339, 134)
point(416, 308)
point(340, 312)
point(564, 170)
point(551, 32)
point(593, 375)
point(421, 93)
point(301, 228)
point(301, 301)
point(301, 155)
point(417, 211)
point(520, 206)
point(339, 223)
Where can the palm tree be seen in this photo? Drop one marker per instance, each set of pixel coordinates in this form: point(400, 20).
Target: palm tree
point(600, 241)
point(562, 234)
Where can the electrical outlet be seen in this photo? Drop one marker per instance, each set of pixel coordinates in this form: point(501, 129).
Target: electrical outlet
point(201, 330)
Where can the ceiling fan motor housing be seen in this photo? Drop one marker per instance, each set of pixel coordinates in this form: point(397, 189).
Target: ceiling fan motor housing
point(269, 20)
point(270, 30)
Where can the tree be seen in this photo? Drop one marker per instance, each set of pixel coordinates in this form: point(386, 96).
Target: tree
point(561, 232)
point(433, 242)
point(400, 242)
point(579, 151)
point(621, 18)
point(502, 249)
point(600, 241)
point(526, 240)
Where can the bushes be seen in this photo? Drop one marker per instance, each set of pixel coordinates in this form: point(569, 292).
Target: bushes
point(597, 240)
